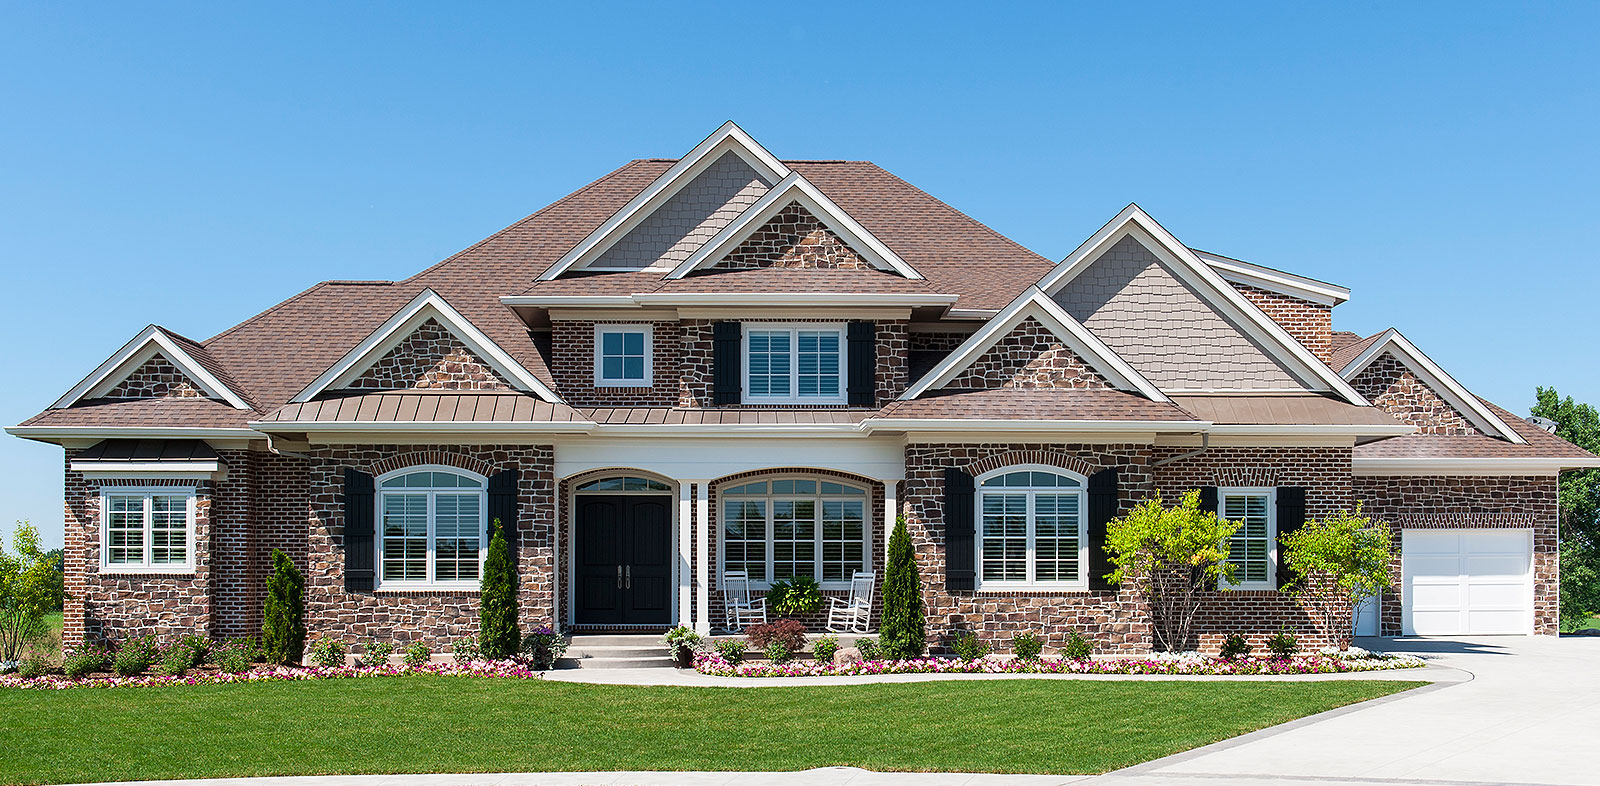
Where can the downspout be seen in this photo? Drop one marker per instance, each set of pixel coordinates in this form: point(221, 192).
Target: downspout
point(271, 448)
point(1205, 443)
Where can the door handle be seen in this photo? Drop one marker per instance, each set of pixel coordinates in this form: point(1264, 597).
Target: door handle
point(619, 577)
point(630, 577)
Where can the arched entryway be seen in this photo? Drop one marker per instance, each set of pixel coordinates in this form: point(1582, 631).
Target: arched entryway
point(622, 559)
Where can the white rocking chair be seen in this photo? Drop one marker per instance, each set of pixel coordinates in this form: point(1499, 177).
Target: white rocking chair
point(742, 610)
point(853, 614)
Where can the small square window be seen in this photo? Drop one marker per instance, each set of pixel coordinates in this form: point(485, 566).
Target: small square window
point(622, 355)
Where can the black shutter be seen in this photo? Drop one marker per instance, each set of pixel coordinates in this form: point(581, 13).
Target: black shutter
point(726, 373)
point(359, 526)
point(1291, 515)
point(503, 507)
point(863, 363)
point(960, 563)
point(1102, 509)
point(1208, 498)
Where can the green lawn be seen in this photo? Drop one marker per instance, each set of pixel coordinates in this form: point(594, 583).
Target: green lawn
point(438, 724)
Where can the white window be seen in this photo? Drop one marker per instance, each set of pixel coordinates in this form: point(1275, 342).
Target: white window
point(622, 356)
point(431, 530)
point(779, 529)
point(147, 530)
point(1253, 548)
point(794, 364)
point(1031, 529)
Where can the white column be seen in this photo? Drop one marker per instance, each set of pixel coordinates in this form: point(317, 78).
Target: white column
point(685, 553)
point(702, 556)
point(891, 511)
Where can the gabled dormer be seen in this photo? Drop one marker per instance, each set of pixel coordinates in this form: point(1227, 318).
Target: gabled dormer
point(157, 364)
point(1402, 381)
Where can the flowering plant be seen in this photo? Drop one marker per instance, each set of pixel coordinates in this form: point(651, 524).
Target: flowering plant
point(508, 669)
point(714, 664)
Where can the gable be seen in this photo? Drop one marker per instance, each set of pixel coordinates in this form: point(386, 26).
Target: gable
point(430, 358)
point(1029, 356)
point(156, 378)
point(1394, 388)
point(687, 219)
point(794, 238)
point(1134, 302)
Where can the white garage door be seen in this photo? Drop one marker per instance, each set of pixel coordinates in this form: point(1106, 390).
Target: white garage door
point(1467, 581)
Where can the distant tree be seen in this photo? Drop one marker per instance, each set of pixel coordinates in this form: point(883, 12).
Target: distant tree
point(1173, 556)
point(1339, 562)
point(1580, 507)
point(28, 590)
point(499, 635)
point(283, 625)
point(904, 631)
point(57, 561)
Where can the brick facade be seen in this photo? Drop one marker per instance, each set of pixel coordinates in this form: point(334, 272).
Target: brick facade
point(157, 378)
point(431, 358)
point(572, 364)
point(1030, 356)
point(794, 238)
point(695, 363)
point(1310, 323)
point(1393, 388)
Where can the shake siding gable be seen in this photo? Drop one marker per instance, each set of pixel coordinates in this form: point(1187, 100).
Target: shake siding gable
point(691, 217)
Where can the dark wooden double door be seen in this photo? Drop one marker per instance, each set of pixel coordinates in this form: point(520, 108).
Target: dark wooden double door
point(624, 559)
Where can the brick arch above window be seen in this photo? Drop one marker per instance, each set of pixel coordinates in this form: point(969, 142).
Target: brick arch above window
point(1247, 477)
point(1044, 457)
point(434, 457)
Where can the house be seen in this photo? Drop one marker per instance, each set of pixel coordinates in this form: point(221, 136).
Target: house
point(728, 361)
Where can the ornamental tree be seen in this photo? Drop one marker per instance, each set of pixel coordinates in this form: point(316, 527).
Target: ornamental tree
point(1339, 562)
point(904, 631)
point(1579, 498)
point(499, 635)
point(283, 624)
point(28, 590)
point(1173, 555)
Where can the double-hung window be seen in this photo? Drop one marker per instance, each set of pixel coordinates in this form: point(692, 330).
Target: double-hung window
point(1253, 548)
point(622, 356)
point(1031, 530)
point(431, 530)
point(794, 364)
point(147, 530)
point(780, 529)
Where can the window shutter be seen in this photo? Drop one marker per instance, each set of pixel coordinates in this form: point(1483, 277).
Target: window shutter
point(862, 368)
point(1291, 515)
point(503, 506)
point(1208, 498)
point(726, 359)
point(359, 526)
point(1102, 509)
point(960, 571)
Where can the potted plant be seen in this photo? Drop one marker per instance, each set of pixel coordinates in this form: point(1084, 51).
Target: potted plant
point(681, 643)
point(795, 596)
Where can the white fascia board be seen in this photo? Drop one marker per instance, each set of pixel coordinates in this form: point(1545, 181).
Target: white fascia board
point(578, 301)
point(1036, 304)
point(728, 138)
point(1312, 430)
point(426, 304)
point(731, 430)
point(129, 432)
point(795, 188)
point(1284, 283)
point(972, 313)
point(1199, 275)
point(1032, 425)
point(1468, 466)
point(1435, 377)
point(119, 467)
point(137, 352)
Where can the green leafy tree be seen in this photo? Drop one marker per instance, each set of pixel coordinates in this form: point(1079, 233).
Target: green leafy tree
point(283, 624)
point(1580, 507)
point(1339, 562)
point(499, 635)
point(1173, 556)
point(29, 588)
point(904, 632)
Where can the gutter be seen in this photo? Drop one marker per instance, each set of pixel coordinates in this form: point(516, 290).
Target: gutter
point(1205, 445)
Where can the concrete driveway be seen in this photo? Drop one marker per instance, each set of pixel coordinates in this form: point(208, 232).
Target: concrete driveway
point(1530, 714)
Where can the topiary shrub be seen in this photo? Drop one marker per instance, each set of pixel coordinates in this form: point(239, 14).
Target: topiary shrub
point(967, 646)
point(1026, 646)
point(499, 635)
point(1283, 645)
point(1234, 647)
point(904, 631)
point(415, 654)
point(790, 632)
point(134, 657)
point(283, 625)
point(731, 650)
point(328, 653)
point(824, 648)
point(1077, 647)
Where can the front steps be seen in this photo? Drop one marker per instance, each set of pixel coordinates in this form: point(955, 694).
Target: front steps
point(615, 651)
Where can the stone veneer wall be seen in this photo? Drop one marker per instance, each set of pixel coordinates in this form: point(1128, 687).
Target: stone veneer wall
point(157, 378)
point(1451, 502)
point(1393, 388)
point(695, 375)
point(1030, 356)
point(431, 358)
point(1310, 323)
point(572, 364)
point(435, 617)
point(794, 238)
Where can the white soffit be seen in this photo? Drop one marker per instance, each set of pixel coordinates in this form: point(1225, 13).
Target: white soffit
point(427, 304)
point(1454, 392)
point(150, 342)
point(730, 138)
point(1199, 275)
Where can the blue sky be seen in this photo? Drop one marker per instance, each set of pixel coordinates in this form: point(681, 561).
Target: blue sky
point(192, 164)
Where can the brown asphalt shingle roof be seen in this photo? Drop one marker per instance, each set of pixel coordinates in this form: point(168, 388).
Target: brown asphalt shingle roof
point(1035, 403)
point(162, 412)
point(1541, 444)
point(1350, 347)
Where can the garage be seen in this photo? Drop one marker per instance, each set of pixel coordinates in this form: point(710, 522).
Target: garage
point(1467, 582)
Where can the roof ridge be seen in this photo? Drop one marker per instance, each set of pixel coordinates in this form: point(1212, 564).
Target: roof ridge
point(957, 211)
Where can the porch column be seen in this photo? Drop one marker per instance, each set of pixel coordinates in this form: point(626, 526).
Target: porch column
point(685, 552)
point(891, 511)
point(702, 556)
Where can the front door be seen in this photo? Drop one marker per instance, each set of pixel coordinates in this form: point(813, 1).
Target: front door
point(624, 559)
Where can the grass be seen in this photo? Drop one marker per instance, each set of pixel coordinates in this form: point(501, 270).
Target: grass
point(439, 724)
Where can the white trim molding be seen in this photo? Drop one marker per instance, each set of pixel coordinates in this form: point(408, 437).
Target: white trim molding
point(151, 341)
point(1434, 377)
point(1380, 466)
point(427, 304)
point(147, 529)
point(601, 330)
point(1238, 271)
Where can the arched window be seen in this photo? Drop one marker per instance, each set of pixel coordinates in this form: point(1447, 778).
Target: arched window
point(1031, 529)
point(786, 527)
point(623, 483)
point(431, 530)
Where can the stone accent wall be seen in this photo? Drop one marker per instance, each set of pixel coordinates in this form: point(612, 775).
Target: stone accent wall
point(1393, 388)
point(157, 378)
point(1447, 502)
point(695, 364)
point(793, 238)
point(431, 358)
point(1030, 356)
point(937, 342)
point(1310, 323)
point(572, 364)
point(435, 617)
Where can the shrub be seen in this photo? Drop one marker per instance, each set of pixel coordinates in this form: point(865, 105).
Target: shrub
point(174, 661)
point(681, 638)
point(466, 650)
point(904, 631)
point(544, 646)
point(28, 589)
point(498, 632)
point(378, 652)
point(415, 654)
point(869, 649)
point(731, 650)
point(1283, 645)
point(779, 651)
point(32, 666)
point(1174, 557)
point(134, 657)
point(794, 596)
point(232, 660)
point(328, 653)
point(199, 648)
point(824, 648)
point(1026, 646)
point(86, 661)
point(1338, 563)
point(790, 632)
point(1077, 647)
point(967, 646)
point(1234, 647)
point(283, 626)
